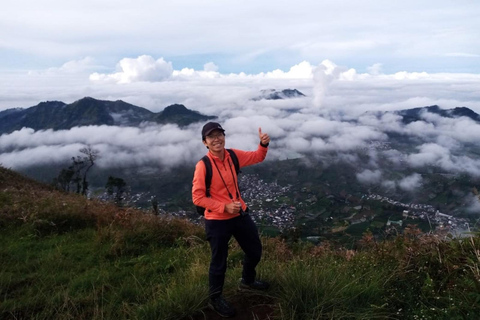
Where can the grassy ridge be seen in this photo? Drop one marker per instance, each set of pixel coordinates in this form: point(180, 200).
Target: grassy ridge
point(66, 257)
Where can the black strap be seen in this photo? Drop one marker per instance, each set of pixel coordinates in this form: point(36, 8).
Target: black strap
point(223, 180)
point(235, 181)
point(233, 155)
point(236, 164)
point(208, 174)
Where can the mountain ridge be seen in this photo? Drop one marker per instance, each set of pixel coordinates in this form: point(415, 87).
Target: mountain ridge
point(418, 114)
point(58, 115)
point(415, 114)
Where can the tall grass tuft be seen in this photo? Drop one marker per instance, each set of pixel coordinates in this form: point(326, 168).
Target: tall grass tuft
point(185, 295)
point(330, 288)
point(432, 277)
point(131, 232)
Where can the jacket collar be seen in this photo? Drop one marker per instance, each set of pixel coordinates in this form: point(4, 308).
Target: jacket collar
point(226, 156)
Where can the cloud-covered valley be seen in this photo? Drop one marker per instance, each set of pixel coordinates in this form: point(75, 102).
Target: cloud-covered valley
point(342, 115)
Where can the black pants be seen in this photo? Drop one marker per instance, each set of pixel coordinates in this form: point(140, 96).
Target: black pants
point(219, 233)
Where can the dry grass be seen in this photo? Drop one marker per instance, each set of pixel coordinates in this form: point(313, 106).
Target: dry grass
point(25, 202)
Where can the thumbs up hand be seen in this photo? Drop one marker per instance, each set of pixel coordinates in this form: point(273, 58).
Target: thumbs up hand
point(264, 138)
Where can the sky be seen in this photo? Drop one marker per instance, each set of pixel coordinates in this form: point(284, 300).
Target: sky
point(348, 57)
point(243, 35)
point(65, 50)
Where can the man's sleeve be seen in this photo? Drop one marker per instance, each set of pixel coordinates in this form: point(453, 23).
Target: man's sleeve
point(247, 158)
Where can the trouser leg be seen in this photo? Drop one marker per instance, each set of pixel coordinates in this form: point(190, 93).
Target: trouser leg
point(246, 234)
point(218, 236)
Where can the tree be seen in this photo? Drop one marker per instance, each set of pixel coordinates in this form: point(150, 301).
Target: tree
point(70, 176)
point(116, 187)
point(76, 173)
point(64, 179)
point(77, 166)
point(154, 202)
point(89, 159)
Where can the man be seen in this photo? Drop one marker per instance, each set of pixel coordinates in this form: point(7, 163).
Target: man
point(226, 214)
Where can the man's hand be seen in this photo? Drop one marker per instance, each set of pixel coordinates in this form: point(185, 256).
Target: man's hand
point(233, 207)
point(264, 138)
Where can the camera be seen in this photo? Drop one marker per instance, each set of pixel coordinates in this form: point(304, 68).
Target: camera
point(244, 212)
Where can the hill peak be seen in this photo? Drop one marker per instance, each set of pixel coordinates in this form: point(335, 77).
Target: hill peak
point(52, 104)
point(179, 114)
point(176, 109)
point(273, 94)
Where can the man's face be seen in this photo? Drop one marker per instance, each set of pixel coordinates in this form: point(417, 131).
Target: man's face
point(215, 141)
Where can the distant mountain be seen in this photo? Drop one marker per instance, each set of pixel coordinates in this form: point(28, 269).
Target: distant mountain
point(57, 115)
point(179, 114)
point(411, 115)
point(37, 117)
point(273, 94)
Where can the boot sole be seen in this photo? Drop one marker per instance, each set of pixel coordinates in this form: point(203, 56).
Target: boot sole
point(249, 289)
point(223, 315)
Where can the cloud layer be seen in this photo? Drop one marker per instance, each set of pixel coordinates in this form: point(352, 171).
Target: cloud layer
point(337, 119)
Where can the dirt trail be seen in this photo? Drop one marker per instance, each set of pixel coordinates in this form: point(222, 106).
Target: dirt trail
point(249, 306)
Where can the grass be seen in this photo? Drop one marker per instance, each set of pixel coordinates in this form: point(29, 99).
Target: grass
point(76, 275)
point(318, 289)
point(66, 257)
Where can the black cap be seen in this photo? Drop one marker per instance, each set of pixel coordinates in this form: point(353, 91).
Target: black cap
point(209, 127)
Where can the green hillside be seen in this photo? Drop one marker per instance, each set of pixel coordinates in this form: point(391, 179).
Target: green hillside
point(66, 257)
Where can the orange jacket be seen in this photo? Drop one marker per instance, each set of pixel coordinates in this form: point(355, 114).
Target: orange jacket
point(215, 205)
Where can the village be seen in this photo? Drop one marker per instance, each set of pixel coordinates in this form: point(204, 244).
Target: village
point(265, 201)
point(269, 208)
point(270, 205)
point(440, 222)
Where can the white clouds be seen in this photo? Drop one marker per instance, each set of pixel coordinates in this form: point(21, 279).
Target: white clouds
point(210, 67)
point(119, 146)
point(303, 70)
point(322, 78)
point(430, 154)
point(354, 138)
point(375, 69)
point(389, 185)
point(75, 67)
point(146, 69)
point(319, 127)
point(411, 182)
point(297, 144)
point(143, 68)
point(473, 204)
point(39, 155)
point(369, 177)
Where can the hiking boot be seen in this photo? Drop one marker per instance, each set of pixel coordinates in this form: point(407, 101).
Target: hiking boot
point(255, 285)
point(222, 307)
